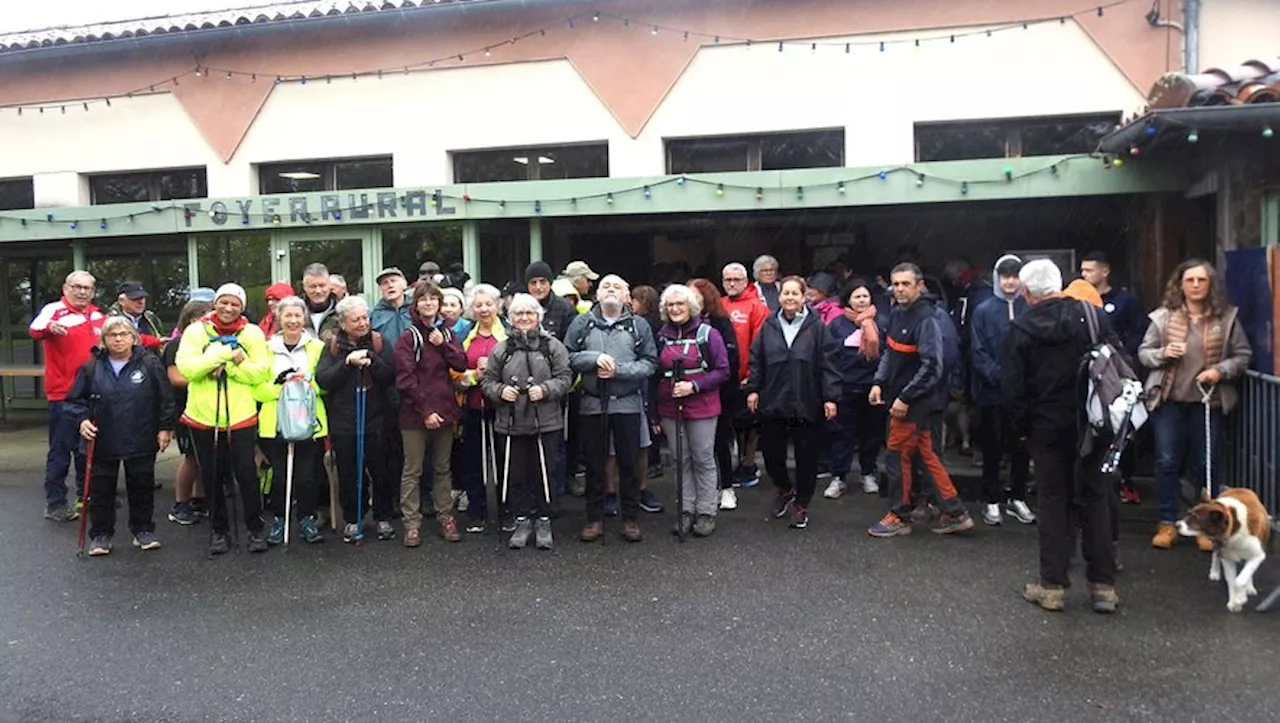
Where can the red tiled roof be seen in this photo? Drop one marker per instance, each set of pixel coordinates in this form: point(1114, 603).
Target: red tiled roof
point(1254, 81)
point(280, 12)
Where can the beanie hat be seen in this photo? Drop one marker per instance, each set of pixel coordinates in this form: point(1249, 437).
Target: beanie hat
point(235, 290)
point(538, 270)
point(457, 294)
point(280, 290)
point(824, 282)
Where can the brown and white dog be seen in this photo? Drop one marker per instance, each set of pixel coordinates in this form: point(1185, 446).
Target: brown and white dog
point(1239, 526)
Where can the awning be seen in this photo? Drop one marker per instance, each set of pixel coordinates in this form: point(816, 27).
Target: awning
point(1163, 127)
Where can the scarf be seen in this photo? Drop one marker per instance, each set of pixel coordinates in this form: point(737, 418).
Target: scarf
point(231, 330)
point(866, 321)
point(1175, 332)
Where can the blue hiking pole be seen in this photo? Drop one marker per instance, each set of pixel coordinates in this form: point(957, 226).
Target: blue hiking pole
point(361, 401)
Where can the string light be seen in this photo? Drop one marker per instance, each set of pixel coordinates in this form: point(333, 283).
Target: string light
point(1193, 137)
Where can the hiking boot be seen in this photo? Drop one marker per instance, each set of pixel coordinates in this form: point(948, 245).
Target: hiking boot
point(951, 524)
point(475, 527)
point(799, 518)
point(1048, 598)
point(1103, 598)
point(309, 529)
point(748, 476)
point(869, 485)
point(592, 532)
point(631, 531)
point(835, 489)
point(218, 544)
point(449, 530)
point(649, 502)
point(728, 499)
point(1018, 510)
point(991, 514)
point(1129, 494)
point(1165, 535)
point(183, 514)
point(542, 533)
point(520, 537)
point(275, 535)
point(684, 525)
point(412, 537)
point(782, 504)
point(351, 532)
point(386, 531)
point(257, 543)
point(101, 545)
point(610, 505)
point(146, 540)
point(704, 526)
point(889, 526)
point(61, 513)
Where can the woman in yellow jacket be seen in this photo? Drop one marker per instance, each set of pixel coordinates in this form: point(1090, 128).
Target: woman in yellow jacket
point(294, 354)
point(223, 358)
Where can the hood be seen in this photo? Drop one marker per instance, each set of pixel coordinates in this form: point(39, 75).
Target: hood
point(384, 305)
point(751, 293)
point(276, 343)
point(1055, 321)
point(327, 307)
point(995, 277)
point(1082, 290)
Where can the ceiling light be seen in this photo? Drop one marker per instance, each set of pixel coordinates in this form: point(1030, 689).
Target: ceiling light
point(300, 175)
point(522, 160)
point(544, 160)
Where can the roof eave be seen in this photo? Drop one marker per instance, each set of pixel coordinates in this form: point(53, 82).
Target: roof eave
point(1162, 124)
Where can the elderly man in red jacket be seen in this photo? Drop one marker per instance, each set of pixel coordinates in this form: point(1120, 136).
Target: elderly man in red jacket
point(69, 328)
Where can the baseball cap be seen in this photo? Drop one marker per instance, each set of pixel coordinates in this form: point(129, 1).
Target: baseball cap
point(132, 290)
point(579, 268)
point(389, 271)
point(201, 293)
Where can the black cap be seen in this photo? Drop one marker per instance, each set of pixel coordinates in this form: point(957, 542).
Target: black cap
point(538, 270)
point(131, 290)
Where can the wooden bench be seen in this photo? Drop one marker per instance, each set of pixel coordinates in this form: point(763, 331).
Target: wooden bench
point(16, 371)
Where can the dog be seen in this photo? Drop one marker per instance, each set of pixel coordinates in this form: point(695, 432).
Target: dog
point(1239, 526)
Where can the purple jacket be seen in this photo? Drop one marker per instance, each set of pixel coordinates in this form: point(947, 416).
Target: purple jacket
point(705, 403)
point(424, 382)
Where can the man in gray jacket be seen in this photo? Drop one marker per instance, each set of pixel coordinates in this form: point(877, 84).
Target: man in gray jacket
point(615, 353)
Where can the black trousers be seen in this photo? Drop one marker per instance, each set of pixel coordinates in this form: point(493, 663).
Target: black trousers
point(525, 492)
point(724, 460)
point(139, 483)
point(808, 439)
point(306, 455)
point(235, 455)
point(625, 430)
point(385, 488)
point(1064, 478)
point(996, 438)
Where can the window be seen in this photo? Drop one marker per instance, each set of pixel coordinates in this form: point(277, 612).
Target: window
point(407, 248)
point(1046, 136)
point(532, 164)
point(165, 185)
point(17, 193)
point(771, 152)
point(308, 176)
point(160, 263)
point(244, 259)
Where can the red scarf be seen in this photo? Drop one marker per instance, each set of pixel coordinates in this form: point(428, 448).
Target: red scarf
point(866, 320)
point(231, 329)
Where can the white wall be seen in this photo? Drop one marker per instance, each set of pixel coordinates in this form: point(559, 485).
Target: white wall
point(1233, 31)
point(418, 119)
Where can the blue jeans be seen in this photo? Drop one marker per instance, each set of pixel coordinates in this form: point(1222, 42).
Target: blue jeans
point(64, 446)
point(1179, 426)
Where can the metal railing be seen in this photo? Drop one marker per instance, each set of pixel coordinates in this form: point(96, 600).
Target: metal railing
point(1251, 441)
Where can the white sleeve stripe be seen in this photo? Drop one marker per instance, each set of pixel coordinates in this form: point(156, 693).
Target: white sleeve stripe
point(41, 322)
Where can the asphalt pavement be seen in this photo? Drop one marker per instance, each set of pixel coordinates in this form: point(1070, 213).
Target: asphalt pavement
point(757, 623)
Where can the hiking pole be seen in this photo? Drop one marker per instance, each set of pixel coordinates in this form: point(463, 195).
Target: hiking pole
point(218, 492)
point(506, 464)
point(288, 493)
point(484, 457)
point(361, 401)
point(236, 510)
point(542, 452)
point(677, 376)
point(604, 448)
point(88, 474)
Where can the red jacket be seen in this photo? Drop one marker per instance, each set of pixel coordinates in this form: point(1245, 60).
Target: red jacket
point(64, 355)
point(747, 312)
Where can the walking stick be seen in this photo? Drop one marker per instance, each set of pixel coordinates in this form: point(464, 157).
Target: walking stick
point(288, 492)
point(236, 510)
point(542, 452)
point(677, 376)
point(506, 465)
point(218, 492)
point(604, 449)
point(331, 474)
point(361, 401)
point(88, 475)
point(484, 457)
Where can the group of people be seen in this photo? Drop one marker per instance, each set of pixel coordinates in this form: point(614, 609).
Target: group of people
point(511, 387)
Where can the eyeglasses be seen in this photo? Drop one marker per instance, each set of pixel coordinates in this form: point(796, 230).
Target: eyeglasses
point(81, 288)
point(735, 279)
point(524, 313)
point(118, 334)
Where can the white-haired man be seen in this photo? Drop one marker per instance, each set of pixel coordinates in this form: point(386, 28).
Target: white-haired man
point(748, 312)
point(765, 272)
point(317, 285)
point(1041, 381)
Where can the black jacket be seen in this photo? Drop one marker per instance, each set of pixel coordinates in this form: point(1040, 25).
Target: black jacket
point(794, 383)
point(131, 407)
point(339, 384)
point(730, 392)
point(1041, 375)
point(558, 313)
point(913, 361)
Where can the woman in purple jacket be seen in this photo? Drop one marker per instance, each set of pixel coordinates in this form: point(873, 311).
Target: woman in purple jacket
point(692, 364)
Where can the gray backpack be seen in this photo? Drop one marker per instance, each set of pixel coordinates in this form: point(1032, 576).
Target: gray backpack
point(296, 419)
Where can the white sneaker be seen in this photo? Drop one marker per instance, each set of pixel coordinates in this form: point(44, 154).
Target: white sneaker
point(463, 502)
point(1019, 510)
point(728, 499)
point(870, 485)
point(991, 514)
point(835, 489)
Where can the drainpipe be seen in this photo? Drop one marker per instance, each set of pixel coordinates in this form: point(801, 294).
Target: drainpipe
point(1191, 36)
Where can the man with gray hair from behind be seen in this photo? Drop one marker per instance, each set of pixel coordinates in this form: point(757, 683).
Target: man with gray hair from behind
point(1044, 393)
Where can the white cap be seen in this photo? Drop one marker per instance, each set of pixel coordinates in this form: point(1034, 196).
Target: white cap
point(235, 290)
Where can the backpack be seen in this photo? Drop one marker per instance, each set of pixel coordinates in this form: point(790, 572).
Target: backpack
point(419, 342)
point(296, 412)
point(1113, 402)
point(702, 338)
point(509, 350)
point(627, 324)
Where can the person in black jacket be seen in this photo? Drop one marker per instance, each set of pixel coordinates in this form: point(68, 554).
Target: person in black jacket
point(123, 402)
point(793, 385)
point(356, 356)
point(857, 333)
point(911, 375)
point(557, 312)
point(732, 401)
point(1044, 395)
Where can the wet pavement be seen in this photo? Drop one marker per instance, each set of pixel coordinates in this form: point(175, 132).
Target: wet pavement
point(759, 622)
